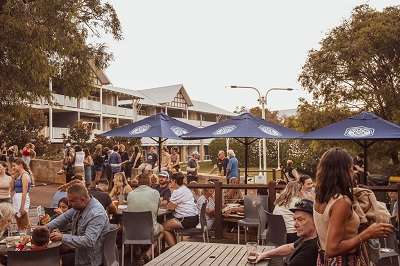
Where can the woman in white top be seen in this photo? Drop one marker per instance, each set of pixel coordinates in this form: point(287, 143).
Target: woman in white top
point(286, 201)
point(5, 183)
point(78, 162)
point(185, 210)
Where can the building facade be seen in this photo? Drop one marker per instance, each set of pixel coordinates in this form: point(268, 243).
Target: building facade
point(107, 105)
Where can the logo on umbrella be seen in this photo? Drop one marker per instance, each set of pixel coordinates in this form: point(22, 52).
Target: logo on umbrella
point(140, 129)
point(270, 131)
point(359, 132)
point(179, 131)
point(224, 130)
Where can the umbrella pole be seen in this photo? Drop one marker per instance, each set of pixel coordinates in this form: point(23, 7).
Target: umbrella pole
point(159, 154)
point(245, 160)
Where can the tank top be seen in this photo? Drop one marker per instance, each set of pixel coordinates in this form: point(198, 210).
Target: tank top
point(321, 222)
point(18, 183)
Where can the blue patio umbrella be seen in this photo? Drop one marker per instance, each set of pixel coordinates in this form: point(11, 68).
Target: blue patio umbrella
point(244, 126)
point(158, 127)
point(365, 129)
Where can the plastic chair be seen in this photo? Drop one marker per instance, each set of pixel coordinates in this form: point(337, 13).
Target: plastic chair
point(47, 257)
point(251, 216)
point(110, 250)
point(276, 232)
point(196, 231)
point(137, 229)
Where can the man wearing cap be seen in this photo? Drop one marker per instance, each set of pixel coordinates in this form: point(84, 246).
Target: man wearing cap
point(163, 187)
point(304, 251)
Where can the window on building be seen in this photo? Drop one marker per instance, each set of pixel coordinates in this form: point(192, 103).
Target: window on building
point(179, 101)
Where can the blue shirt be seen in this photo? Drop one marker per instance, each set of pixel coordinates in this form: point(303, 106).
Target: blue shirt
point(233, 166)
point(88, 229)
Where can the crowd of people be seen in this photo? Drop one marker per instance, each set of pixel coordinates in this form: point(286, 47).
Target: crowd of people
point(322, 225)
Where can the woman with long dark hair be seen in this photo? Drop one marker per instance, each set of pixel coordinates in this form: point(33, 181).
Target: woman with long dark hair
point(336, 222)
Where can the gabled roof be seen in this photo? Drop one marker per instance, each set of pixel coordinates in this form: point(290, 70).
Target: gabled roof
point(164, 95)
point(124, 91)
point(204, 107)
point(99, 74)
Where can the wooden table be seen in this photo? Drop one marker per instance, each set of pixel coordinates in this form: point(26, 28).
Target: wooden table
point(199, 253)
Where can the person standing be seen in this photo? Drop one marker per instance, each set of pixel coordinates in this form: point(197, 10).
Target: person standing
point(88, 166)
point(291, 172)
point(165, 159)
point(152, 157)
point(114, 159)
point(21, 187)
point(125, 163)
point(98, 163)
point(28, 153)
point(222, 163)
point(336, 222)
point(5, 183)
point(79, 167)
point(89, 225)
point(232, 169)
point(175, 160)
point(192, 168)
point(307, 188)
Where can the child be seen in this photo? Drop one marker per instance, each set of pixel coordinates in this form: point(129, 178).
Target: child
point(39, 240)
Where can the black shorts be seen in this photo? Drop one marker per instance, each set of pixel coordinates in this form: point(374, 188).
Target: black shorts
point(189, 222)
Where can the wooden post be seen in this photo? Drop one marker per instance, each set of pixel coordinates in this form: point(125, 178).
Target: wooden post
point(273, 174)
point(271, 195)
point(218, 210)
point(398, 209)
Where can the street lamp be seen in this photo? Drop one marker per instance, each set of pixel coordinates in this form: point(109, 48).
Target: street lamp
point(263, 102)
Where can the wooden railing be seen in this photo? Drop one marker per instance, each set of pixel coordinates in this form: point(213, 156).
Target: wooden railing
point(271, 188)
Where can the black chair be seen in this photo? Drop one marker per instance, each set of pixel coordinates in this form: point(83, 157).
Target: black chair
point(196, 231)
point(110, 250)
point(276, 232)
point(137, 229)
point(388, 251)
point(47, 257)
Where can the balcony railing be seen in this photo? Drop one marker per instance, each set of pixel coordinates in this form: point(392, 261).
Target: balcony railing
point(115, 110)
point(89, 105)
point(63, 100)
point(59, 131)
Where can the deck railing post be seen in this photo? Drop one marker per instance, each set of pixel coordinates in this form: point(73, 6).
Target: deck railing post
point(398, 209)
point(218, 210)
point(273, 174)
point(271, 195)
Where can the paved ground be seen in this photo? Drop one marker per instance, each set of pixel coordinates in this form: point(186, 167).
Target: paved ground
point(41, 194)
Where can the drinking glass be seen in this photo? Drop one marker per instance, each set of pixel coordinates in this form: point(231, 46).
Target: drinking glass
point(251, 252)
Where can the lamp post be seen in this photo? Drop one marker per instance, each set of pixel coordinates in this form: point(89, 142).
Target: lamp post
point(263, 102)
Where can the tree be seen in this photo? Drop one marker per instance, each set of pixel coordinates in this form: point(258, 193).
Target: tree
point(80, 133)
point(41, 39)
point(357, 67)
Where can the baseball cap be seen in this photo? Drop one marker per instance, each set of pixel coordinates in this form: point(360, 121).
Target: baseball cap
point(304, 205)
point(164, 174)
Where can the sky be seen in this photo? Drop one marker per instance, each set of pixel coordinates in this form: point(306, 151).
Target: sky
point(207, 45)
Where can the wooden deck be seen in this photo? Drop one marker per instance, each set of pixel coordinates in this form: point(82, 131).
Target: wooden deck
point(198, 253)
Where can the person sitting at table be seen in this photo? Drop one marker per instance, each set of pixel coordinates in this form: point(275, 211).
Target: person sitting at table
point(6, 215)
point(143, 199)
point(285, 201)
point(100, 192)
point(61, 208)
point(89, 225)
point(208, 198)
point(62, 192)
point(163, 188)
point(121, 187)
point(39, 240)
point(185, 210)
point(305, 250)
point(233, 195)
point(196, 191)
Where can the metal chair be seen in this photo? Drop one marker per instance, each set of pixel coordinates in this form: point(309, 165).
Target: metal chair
point(196, 231)
point(110, 250)
point(46, 257)
point(137, 229)
point(276, 232)
point(251, 217)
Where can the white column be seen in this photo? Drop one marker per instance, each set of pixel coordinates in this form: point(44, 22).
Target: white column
point(166, 110)
point(227, 145)
point(50, 112)
point(187, 113)
point(79, 116)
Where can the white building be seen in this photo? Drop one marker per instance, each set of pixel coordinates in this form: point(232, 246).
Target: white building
point(108, 104)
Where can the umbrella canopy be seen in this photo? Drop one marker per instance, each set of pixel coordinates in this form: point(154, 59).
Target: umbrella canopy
point(365, 129)
point(159, 126)
point(244, 126)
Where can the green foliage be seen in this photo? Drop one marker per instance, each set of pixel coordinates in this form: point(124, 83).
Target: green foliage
point(79, 134)
point(24, 129)
point(55, 39)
